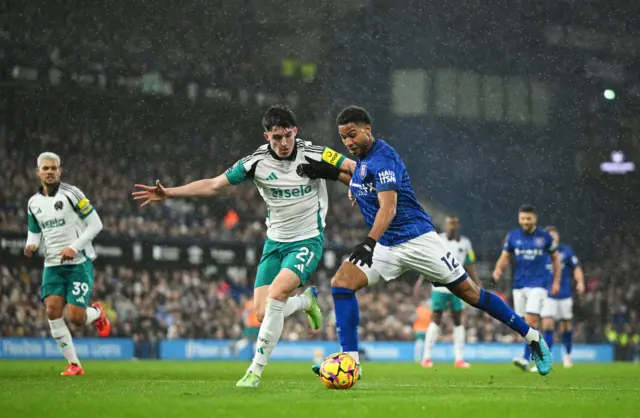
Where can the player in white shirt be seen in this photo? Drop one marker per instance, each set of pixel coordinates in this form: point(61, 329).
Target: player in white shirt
point(442, 298)
point(296, 209)
point(63, 221)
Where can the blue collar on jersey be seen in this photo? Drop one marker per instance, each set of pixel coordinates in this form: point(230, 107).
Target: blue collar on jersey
point(530, 233)
point(375, 144)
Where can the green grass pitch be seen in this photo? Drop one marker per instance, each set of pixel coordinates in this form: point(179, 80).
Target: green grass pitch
point(207, 389)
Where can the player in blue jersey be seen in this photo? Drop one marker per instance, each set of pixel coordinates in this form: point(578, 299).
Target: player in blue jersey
point(402, 238)
point(529, 246)
point(559, 307)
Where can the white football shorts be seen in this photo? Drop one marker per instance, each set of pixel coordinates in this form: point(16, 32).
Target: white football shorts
point(558, 309)
point(426, 254)
point(529, 300)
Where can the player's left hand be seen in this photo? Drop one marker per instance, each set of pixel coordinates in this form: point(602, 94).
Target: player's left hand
point(580, 288)
point(67, 254)
point(555, 288)
point(315, 170)
point(363, 253)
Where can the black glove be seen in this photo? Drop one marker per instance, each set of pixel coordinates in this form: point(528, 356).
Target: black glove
point(318, 170)
point(363, 253)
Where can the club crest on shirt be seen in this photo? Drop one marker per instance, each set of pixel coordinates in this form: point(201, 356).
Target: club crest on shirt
point(58, 205)
point(363, 170)
point(539, 242)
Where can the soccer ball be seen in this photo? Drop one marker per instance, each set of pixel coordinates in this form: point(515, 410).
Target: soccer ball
point(339, 371)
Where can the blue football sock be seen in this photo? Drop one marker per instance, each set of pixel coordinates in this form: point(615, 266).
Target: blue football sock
point(496, 307)
point(548, 338)
point(347, 317)
point(567, 340)
point(527, 352)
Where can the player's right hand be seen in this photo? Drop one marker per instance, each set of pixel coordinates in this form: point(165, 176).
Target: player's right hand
point(150, 194)
point(363, 253)
point(29, 250)
point(496, 275)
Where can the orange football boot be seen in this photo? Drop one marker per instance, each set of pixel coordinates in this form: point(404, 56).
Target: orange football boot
point(102, 323)
point(73, 370)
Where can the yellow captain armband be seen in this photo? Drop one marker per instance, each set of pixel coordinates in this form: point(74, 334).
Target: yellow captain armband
point(471, 257)
point(84, 206)
point(332, 157)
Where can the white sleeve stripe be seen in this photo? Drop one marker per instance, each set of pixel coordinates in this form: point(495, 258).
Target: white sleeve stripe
point(71, 190)
point(254, 156)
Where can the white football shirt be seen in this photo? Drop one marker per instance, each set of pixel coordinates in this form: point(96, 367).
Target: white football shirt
point(59, 218)
point(296, 206)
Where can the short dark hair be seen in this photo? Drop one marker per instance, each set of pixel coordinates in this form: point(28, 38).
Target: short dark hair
point(353, 114)
point(527, 208)
point(278, 116)
point(551, 228)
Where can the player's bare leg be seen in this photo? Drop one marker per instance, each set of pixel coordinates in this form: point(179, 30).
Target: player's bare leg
point(306, 302)
point(60, 332)
point(459, 337)
point(259, 300)
point(468, 291)
point(271, 325)
point(430, 338)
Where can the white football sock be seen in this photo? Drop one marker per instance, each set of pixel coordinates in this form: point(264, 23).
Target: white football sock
point(92, 314)
point(355, 355)
point(418, 349)
point(60, 332)
point(532, 335)
point(295, 304)
point(430, 339)
point(269, 334)
point(459, 337)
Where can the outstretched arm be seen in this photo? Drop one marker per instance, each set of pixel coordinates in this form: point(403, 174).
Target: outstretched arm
point(198, 188)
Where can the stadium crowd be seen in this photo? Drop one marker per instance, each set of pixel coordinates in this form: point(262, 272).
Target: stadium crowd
point(105, 152)
point(115, 149)
point(107, 147)
point(151, 304)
